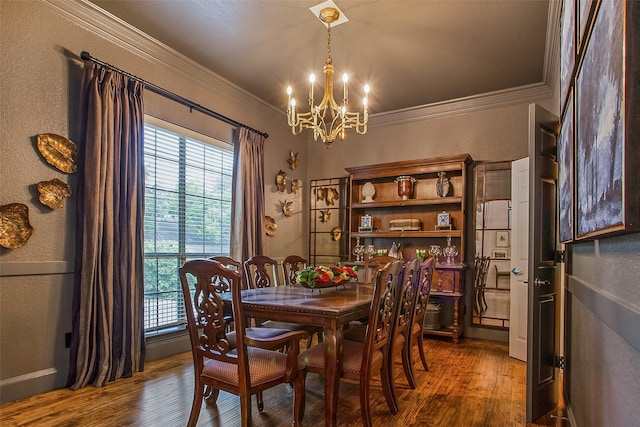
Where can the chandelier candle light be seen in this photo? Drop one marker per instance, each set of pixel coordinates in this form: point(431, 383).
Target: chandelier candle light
point(328, 119)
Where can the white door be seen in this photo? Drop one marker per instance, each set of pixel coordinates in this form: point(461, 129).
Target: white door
point(519, 259)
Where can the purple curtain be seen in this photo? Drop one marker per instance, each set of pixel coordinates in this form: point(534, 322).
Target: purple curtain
point(108, 325)
point(247, 209)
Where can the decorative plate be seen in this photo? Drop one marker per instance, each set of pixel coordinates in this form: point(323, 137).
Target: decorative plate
point(58, 151)
point(15, 229)
point(53, 193)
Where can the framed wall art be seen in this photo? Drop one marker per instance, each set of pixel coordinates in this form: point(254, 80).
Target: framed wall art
point(565, 174)
point(584, 9)
point(607, 198)
point(500, 254)
point(568, 46)
point(502, 239)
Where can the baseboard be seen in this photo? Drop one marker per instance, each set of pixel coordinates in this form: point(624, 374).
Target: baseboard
point(485, 333)
point(572, 419)
point(23, 386)
point(161, 346)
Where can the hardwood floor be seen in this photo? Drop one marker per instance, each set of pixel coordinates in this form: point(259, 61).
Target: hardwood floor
point(473, 383)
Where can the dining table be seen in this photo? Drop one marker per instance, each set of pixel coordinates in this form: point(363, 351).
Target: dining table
point(332, 308)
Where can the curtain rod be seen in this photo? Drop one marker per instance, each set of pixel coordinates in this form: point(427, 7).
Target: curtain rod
point(160, 91)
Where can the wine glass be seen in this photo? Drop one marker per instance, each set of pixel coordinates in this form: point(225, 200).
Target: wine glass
point(435, 251)
point(358, 250)
point(450, 252)
point(371, 251)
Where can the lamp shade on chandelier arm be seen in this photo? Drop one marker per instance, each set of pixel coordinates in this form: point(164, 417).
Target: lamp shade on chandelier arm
point(328, 120)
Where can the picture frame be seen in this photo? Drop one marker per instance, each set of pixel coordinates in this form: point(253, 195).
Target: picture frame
point(565, 174)
point(500, 253)
point(502, 239)
point(583, 12)
point(606, 178)
point(568, 44)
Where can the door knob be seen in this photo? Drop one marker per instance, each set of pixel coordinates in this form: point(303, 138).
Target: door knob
point(516, 272)
point(539, 282)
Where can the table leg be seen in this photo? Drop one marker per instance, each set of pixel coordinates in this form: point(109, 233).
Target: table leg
point(456, 319)
point(333, 367)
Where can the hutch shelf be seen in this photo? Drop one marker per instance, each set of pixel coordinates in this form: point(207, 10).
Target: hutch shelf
point(378, 214)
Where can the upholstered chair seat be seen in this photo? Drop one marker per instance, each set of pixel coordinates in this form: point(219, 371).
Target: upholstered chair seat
point(351, 359)
point(266, 366)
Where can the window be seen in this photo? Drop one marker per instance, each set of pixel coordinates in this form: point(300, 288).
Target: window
point(188, 178)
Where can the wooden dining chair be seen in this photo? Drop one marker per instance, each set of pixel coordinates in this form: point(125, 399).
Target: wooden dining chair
point(416, 336)
point(234, 265)
point(480, 271)
point(371, 266)
point(228, 262)
point(260, 271)
point(360, 360)
point(290, 266)
point(401, 330)
point(243, 365)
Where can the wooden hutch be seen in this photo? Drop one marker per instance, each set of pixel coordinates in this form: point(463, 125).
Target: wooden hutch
point(413, 222)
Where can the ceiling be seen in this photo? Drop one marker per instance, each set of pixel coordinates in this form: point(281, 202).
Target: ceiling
point(412, 53)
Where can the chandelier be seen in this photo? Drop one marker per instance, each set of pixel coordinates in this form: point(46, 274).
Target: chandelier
point(328, 120)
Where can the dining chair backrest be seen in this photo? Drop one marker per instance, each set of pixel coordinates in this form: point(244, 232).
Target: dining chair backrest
point(413, 334)
point(384, 305)
point(408, 282)
point(205, 319)
point(427, 267)
point(228, 263)
point(480, 271)
point(260, 271)
point(481, 268)
point(290, 266)
point(408, 293)
point(371, 266)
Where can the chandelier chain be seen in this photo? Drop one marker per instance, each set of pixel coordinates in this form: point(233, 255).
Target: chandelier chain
point(329, 60)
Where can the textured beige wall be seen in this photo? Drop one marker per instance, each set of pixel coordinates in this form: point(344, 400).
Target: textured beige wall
point(498, 134)
point(39, 88)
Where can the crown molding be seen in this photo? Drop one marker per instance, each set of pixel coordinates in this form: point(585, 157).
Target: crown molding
point(118, 32)
point(486, 101)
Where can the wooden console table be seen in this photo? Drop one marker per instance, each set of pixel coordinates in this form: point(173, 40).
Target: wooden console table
point(448, 283)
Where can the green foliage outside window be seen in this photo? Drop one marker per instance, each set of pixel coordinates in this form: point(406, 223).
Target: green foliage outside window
point(187, 214)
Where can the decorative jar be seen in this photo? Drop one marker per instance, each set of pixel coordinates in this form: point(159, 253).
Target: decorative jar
point(405, 186)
